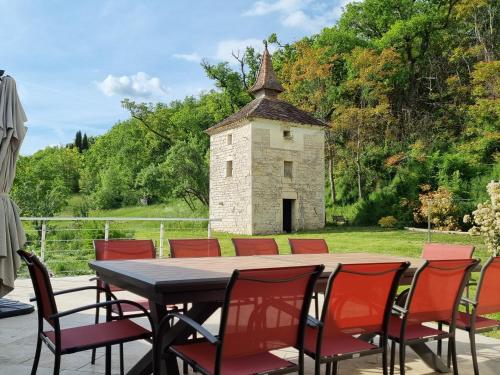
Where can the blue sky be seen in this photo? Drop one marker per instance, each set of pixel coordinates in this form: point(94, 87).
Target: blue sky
point(74, 61)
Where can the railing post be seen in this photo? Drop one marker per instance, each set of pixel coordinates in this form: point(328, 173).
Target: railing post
point(209, 229)
point(429, 207)
point(106, 230)
point(42, 241)
point(162, 234)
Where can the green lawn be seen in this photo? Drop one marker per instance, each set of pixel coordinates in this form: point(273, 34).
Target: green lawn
point(71, 248)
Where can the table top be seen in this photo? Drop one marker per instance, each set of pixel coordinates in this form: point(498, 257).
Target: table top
point(173, 280)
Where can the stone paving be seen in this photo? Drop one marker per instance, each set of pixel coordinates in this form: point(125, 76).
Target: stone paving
point(17, 336)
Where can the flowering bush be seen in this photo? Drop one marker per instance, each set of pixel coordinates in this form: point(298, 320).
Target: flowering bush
point(442, 208)
point(388, 222)
point(486, 219)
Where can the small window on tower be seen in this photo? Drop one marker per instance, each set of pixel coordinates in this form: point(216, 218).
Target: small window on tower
point(287, 134)
point(229, 139)
point(288, 169)
point(229, 168)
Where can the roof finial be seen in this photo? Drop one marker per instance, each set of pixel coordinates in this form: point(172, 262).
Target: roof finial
point(266, 84)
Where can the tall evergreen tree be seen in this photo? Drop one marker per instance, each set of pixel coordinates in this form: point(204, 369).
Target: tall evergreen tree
point(78, 140)
point(85, 143)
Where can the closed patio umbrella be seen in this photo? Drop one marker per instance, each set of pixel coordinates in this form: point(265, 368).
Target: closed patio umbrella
point(12, 236)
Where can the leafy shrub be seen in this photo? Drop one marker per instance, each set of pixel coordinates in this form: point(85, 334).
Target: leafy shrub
point(441, 207)
point(487, 219)
point(388, 222)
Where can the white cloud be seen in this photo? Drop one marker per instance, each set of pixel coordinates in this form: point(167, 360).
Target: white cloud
point(225, 48)
point(191, 57)
point(261, 8)
point(136, 85)
point(309, 15)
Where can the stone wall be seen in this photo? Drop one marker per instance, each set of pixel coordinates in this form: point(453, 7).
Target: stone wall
point(230, 197)
point(305, 149)
point(251, 201)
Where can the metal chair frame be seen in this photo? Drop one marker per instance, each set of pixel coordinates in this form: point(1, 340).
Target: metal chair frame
point(30, 260)
point(332, 362)
point(218, 341)
point(403, 312)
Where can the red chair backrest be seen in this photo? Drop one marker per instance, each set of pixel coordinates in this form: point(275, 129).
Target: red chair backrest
point(45, 301)
point(443, 251)
point(255, 246)
point(488, 289)
point(436, 289)
point(266, 309)
point(123, 250)
point(359, 297)
point(308, 246)
point(196, 248)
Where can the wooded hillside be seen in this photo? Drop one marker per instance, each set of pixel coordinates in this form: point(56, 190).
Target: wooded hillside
point(410, 90)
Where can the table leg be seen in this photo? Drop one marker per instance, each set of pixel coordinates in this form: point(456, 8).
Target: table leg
point(177, 333)
point(180, 332)
point(145, 364)
point(429, 357)
point(423, 351)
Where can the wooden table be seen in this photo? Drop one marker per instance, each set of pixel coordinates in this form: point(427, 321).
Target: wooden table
point(201, 282)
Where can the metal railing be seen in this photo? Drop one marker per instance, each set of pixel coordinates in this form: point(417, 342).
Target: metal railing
point(65, 244)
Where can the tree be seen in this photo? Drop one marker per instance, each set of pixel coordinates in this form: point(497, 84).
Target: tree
point(45, 181)
point(185, 171)
point(85, 143)
point(78, 141)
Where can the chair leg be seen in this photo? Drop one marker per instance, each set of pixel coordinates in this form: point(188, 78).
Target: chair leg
point(328, 369)
point(393, 356)
point(384, 359)
point(402, 358)
point(108, 360)
point(448, 357)
point(122, 365)
point(335, 368)
point(37, 355)
point(472, 338)
point(57, 364)
point(97, 299)
point(316, 304)
point(440, 342)
point(452, 343)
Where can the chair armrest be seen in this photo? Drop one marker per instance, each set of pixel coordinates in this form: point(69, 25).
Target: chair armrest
point(101, 304)
point(313, 322)
point(195, 325)
point(95, 278)
point(399, 310)
point(73, 290)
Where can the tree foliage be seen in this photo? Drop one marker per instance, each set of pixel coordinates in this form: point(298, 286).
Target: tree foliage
point(410, 89)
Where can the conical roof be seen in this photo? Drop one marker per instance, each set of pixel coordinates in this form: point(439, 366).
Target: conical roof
point(266, 103)
point(266, 83)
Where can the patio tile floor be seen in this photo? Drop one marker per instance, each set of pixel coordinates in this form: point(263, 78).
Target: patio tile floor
point(17, 336)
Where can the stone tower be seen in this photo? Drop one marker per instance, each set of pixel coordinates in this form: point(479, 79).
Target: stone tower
point(267, 164)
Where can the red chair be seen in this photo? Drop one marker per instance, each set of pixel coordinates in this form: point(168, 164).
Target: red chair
point(264, 310)
point(358, 301)
point(72, 340)
point(443, 251)
point(434, 296)
point(486, 301)
point(308, 246)
point(196, 248)
point(255, 246)
point(122, 250)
